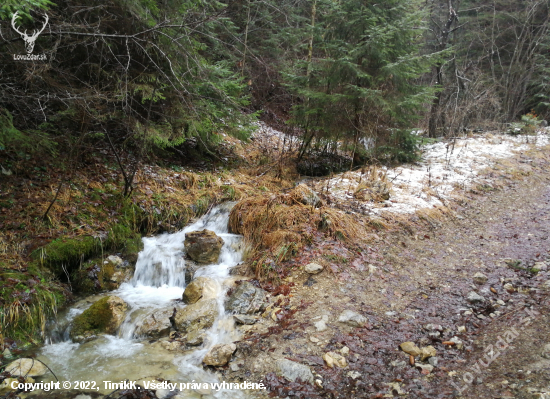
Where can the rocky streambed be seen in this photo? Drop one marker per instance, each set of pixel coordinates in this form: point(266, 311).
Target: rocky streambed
point(172, 321)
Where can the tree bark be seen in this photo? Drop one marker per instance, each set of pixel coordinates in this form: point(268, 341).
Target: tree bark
point(443, 41)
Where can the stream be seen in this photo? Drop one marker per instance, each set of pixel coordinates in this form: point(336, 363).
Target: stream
point(158, 281)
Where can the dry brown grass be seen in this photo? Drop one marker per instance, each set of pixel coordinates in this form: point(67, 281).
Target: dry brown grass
point(378, 191)
point(278, 226)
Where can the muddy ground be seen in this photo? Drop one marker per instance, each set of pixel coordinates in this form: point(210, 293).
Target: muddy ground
point(413, 285)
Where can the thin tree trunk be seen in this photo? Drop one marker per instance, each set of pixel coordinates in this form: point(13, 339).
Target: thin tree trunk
point(307, 142)
point(245, 39)
point(443, 41)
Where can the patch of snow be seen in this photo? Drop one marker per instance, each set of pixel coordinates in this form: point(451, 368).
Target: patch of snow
point(446, 167)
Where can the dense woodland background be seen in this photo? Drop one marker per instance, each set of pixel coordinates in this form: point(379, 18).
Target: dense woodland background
point(144, 75)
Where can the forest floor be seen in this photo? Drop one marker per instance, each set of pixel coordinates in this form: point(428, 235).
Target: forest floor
point(418, 287)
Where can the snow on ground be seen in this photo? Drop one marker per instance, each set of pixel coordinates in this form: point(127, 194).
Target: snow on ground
point(445, 167)
point(273, 138)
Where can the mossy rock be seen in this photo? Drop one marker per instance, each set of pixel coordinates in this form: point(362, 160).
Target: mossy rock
point(93, 276)
point(103, 317)
point(126, 240)
point(67, 252)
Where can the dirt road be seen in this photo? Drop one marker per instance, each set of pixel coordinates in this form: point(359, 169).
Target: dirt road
point(421, 286)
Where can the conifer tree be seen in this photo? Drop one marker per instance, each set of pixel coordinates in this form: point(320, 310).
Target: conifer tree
point(359, 82)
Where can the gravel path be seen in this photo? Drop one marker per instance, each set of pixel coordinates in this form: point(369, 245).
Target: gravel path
point(468, 279)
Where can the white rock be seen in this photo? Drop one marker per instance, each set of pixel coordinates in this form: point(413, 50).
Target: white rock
point(353, 374)
point(459, 344)
point(293, 370)
point(321, 325)
point(352, 318)
point(474, 297)
point(313, 268)
point(234, 367)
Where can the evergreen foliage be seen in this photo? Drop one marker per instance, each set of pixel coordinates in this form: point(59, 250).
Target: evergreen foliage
point(143, 75)
point(359, 81)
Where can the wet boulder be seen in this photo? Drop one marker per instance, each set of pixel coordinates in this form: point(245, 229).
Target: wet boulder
point(190, 270)
point(203, 246)
point(201, 287)
point(157, 324)
point(198, 316)
point(103, 317)
point(121, 276)
point(246, 299)
point(219, 355)
point(195, 338)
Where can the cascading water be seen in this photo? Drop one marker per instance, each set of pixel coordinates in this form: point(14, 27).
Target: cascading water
point(158, 280)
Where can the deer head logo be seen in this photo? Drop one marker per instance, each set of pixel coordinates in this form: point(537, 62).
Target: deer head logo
point(29, 40)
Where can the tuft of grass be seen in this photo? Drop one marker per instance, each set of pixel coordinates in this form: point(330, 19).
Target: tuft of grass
point(278, 226)
point(28, 298)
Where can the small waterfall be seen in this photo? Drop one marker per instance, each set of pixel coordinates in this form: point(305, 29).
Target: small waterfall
point(158, 281)
point(161, 262)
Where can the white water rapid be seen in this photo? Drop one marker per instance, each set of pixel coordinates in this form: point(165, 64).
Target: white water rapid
point(158, 281)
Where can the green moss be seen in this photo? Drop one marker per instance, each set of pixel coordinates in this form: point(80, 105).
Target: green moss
point(93, 276)
point(66, 253)
point(93, 320)
point(65, 256)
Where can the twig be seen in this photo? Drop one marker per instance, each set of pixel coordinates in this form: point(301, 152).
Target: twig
point(48, 367)
point(54, 199)
point(116, 390)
